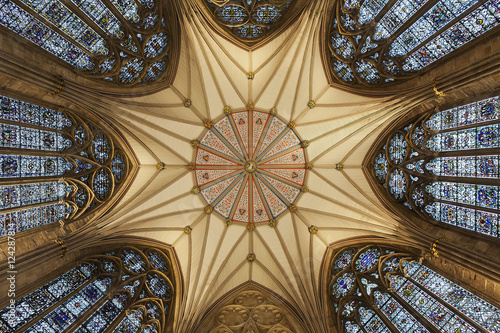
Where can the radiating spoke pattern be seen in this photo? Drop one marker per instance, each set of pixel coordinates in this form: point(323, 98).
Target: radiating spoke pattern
point(250, 166)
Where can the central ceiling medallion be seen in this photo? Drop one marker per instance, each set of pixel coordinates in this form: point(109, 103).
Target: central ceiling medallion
point(250, 166)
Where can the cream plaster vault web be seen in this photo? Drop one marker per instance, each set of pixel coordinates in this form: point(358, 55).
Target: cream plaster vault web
point(217, 85)
point(250, 166)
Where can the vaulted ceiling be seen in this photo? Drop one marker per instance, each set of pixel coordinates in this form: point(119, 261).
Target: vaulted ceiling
point(340, 127)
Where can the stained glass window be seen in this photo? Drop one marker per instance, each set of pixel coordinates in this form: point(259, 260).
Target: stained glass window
point(406, 297)
point(119, 41)
point(54, 166)
point(376, 42)
point(91, 298)
point(444, 166)
point(250, 20)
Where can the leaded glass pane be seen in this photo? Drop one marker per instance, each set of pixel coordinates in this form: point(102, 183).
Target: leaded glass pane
point(441, 147)
point(480, 311)
point(126, 43)
point(43, 298)
point(250, 21)
point(68, 148)
point(388, 52)
point(408, 295)
point(97, 298)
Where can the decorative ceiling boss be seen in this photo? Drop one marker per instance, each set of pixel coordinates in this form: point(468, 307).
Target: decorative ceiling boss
point(250, 166)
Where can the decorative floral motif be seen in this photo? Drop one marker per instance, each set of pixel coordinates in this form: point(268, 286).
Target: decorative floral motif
point(250, 176)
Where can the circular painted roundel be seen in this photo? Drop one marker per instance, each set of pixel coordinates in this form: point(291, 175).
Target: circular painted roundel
point(250, 167)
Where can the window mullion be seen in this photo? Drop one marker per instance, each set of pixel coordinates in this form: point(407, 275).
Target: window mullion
point(414, 18)
point(82, 16)
point(123, 21)
point(412, 311)
point(90, 311)
point(447, 306)
point(469, 180)
point(382, 316)
point(58, 303)
point(444, 28)
point(53, 27)
point(458, 204)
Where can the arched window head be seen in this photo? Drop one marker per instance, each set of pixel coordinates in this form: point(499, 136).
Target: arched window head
point(443, 166)
point(374, 43)
point(54, 166)
point(127, 290)
point(122, 42)
point(382, 289)
point(252, 21)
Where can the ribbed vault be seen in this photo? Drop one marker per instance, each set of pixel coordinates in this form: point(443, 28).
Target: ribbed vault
point(286, 74)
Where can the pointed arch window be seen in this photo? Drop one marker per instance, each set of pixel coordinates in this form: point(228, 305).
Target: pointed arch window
point(128, 290)
point(252, 20)
point(126, 42)
point(443, 166)
point(54, 166)
point(372, 43)
point(382, 289)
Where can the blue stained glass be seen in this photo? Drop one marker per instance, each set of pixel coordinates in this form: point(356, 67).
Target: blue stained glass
point(436, 18)
point(367, 260)
point(12, 196)
point(155, 70)
point(101, 15)
point(232, 14)
point(343, 285)
point(155, 45)
point(397, 148)
point(158, 261)
point(352, 327)
point(381, 166)
point(462, 300)
point(397, 314)
point(101, 148)
point(41, 299)
point(397, 184)
point(130, 323)
point(129, 44)
point(118, 166)
point(401, 11)
point(101, 184)
point(13, 136)
point(32, 166)
point(343, 71)
point(133, 261)
point(487, 137)
point(128, 8)
point(371, 322)
point(367, 71)
point(437, 314)
point(343, 47)
point(478, 22)
point(24, 24)
point(158, 286)
point(369, 10)
point(249, 31)
point(15, 110)
point(131, 70)
point(344, 260)
point(487, 166)
point(266, 14)
point(64, 19)
point(150, 21)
